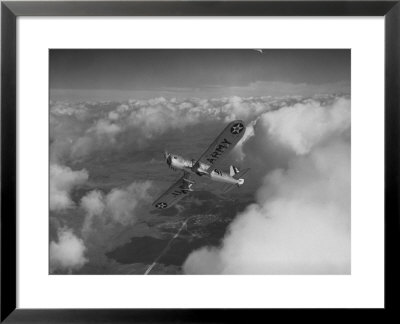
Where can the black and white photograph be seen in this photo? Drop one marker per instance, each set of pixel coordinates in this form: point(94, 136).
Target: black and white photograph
point(200, 161)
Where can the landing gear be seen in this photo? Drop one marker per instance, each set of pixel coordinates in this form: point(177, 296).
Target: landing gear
point(195, 167)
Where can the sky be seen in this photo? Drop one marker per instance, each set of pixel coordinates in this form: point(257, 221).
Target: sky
point(113, 113)
point(115, 74)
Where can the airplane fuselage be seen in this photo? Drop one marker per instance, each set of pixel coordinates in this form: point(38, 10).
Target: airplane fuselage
point(179, 163)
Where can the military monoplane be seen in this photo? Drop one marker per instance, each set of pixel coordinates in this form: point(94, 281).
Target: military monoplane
point(206, 167)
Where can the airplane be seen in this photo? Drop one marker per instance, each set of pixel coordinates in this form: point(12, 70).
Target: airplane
point(205, 166)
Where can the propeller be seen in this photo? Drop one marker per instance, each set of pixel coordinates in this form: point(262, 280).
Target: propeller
point(168, 158)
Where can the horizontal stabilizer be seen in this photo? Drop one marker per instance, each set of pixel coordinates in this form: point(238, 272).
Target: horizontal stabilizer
point(241, 173)
point(237, 176)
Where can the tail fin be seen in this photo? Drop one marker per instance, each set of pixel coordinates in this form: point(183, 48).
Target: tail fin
point(233, 170)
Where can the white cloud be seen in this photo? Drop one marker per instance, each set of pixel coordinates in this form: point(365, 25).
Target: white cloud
point(68, 253)
point(249, 133)
point(105, 128)
point(299, 152)
point(62, 181)
point(301, 221)
point(243, 108)
point(93, 204)
point(77, 131)
point(113, 115)
point(65, 109)
point(110, 218)
point(121, 206)
point(290, 130)
point(121, 203)
point(302, 126)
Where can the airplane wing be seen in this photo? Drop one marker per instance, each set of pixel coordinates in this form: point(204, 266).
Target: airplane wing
point(223, 144)
point(175, 193)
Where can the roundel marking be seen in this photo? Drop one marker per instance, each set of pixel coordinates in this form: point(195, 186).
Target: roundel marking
point(161, 205)
point(237, 128)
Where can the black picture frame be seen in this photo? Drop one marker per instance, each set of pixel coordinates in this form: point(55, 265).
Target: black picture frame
point(9, 13)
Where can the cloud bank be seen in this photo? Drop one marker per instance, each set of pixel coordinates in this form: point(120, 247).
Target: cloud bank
point(79, 130)
point(298, 150)
point(68, 253)
point(121, 206)
point(301, 221)
point(62, 181)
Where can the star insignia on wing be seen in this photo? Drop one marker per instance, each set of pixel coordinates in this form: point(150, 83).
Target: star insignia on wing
point(161, 205)
point(237, 128)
